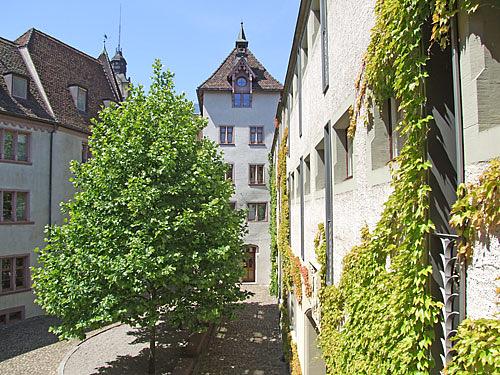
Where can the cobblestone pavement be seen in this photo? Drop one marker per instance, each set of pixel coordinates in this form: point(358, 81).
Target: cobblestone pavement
point(28, 348)
point(124, 350)
point(250, 344)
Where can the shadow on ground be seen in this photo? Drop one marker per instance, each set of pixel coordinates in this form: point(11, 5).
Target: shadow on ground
point(250, 344)
point(25, 336)
point(170, 342)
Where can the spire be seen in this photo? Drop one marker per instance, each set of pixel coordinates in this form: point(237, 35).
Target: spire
point(119, 48)
point(104, 44)
point(242, 42)
point(118, 62)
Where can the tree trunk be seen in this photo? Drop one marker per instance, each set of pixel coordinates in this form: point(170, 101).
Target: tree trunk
point(152, 350)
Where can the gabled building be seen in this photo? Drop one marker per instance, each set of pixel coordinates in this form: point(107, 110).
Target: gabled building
point(49, 92)
point(239, 100)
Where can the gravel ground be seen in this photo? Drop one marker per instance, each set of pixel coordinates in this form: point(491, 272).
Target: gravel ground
point(123, 350)
point(251, 343)
point(28, 348)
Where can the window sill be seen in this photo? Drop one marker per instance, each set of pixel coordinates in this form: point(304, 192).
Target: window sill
point(17, 222)
point(15, 162)
point(263, 145)
point(15, 291)
point(257, 184)
point(257, 221)
point(227, 144)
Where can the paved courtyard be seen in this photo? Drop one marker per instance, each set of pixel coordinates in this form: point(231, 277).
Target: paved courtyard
point(251, 343)
point(28, 348)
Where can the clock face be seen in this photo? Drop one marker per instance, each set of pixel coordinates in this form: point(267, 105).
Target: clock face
point(241, 82)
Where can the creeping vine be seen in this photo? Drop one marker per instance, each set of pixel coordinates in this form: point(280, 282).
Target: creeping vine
point(380, 319)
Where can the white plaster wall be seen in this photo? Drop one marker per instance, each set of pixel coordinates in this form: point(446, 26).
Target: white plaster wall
point(356, 201)
point(480, 80)
point(483, 272)
point(24, 238)
point(217, 107)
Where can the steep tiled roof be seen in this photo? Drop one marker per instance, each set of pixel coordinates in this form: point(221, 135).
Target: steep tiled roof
point(59, 66)
point(218, 80)
point(33, 106)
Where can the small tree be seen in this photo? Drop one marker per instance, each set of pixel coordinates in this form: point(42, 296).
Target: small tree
point(150, 233)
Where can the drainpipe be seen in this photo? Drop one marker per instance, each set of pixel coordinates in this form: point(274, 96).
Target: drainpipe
point(457, 98)
point(51, 147)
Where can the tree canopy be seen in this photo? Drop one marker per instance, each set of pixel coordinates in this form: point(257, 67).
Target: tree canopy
point(149, 232)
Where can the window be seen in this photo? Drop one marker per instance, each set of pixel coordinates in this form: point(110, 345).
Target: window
point(320, 166)
point(307, 175)
point(324, 44)
point(14, 273)
point(107, 102)
point(256, 135)
point(86, 154)
point(257, 211)
point(343, 167)
point(14, 145)
point(230, 172)
point(315, 19)
point(256, 174)
point(242, 100)
point(232, 205)
point(14, 206)
point(349, 164)
point(395, 139)
point(226, 135)
point(241, 82)
point(13, 315)
point(79, 95)
point(19, 87)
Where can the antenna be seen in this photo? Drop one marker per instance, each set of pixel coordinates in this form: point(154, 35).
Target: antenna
point(120, 31)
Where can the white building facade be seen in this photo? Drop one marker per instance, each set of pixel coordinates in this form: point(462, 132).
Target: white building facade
point(46, 104)
point(239, 100)
point(343, 183)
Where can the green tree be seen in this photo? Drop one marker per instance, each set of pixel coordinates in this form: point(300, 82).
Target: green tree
point(150, 234)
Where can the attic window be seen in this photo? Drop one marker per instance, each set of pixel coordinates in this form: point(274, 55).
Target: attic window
point(107, 102)
point(79, 95)
point(17, 85)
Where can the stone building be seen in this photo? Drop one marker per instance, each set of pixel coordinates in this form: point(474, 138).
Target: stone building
point(344, 182)
point(49, 92)
point(239, 100)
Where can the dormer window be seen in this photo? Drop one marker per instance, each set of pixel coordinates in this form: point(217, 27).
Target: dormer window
point(79, 95)
point(107, 102)
point(241, 82)
point(17, 85)
point(242, 92)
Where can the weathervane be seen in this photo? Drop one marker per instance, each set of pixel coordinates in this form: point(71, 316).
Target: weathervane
point(104, 41)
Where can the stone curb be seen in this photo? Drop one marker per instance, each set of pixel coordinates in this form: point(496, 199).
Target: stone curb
point(62, 365)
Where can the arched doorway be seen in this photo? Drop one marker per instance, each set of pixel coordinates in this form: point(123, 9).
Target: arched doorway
point(249, 263)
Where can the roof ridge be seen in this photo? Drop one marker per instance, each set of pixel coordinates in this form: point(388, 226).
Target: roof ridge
point(218, 68)
point(8, 41)
point(59, 42)
point(114, 84)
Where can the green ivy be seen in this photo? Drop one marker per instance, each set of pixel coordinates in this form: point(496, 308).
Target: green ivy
point(476, 210)
point(273, 287)
point(380, 318)
point(477, 348)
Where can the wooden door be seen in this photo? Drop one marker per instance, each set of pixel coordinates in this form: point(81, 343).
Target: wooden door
point(249, 265)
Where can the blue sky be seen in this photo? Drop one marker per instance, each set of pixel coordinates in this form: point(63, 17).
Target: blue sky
point(190, 37)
